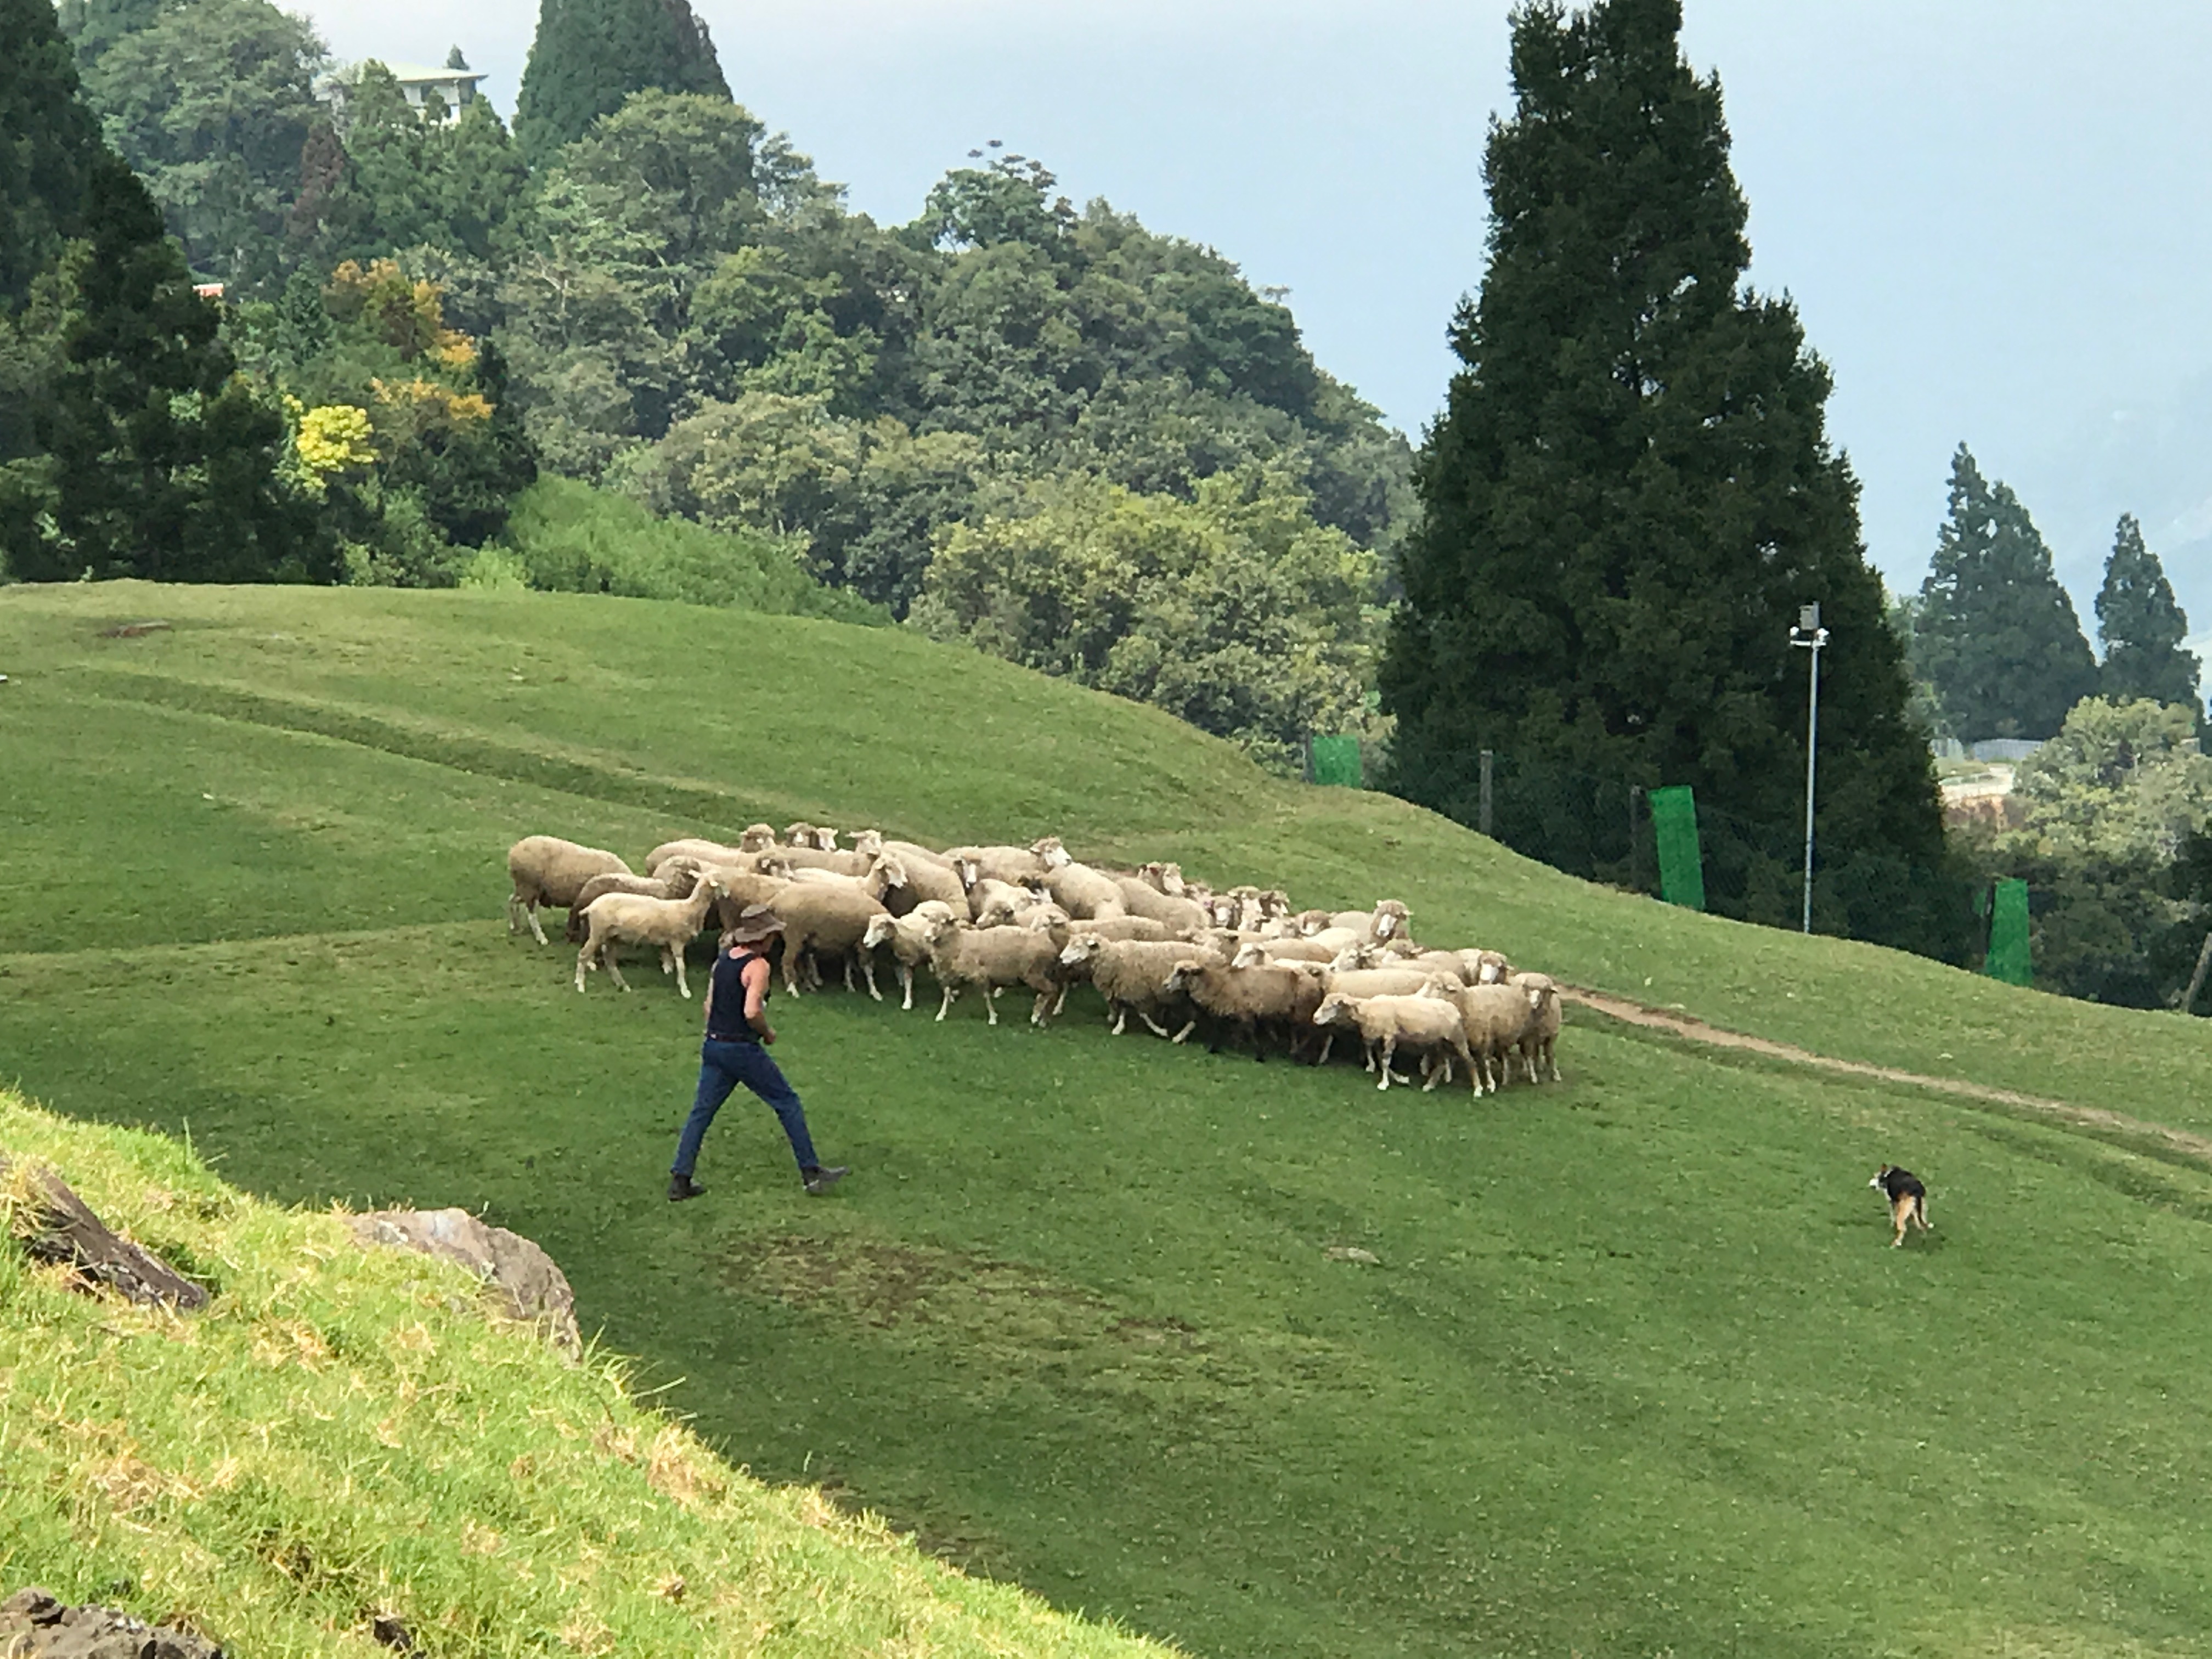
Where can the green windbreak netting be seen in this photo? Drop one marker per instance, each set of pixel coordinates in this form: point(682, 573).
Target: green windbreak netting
point(1336, 760)
point(2008, 956)
point(1682, 863)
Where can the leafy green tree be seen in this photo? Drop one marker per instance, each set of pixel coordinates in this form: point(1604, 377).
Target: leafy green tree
point(1234, 611)
point(2116, 807)
point(1997, 634)
point(2142, 628)
point(589, 56)
point(165, 463)
point(212, 103)
point(1632, 491)
point(94, 26)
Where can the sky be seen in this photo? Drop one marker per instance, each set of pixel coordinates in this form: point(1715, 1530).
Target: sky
point(1995, 215)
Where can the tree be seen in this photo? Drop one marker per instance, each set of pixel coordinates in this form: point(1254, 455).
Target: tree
point(1632, 491)
point(2142, 628)
point(1997, 634)
point(589, 56)
point(212, 103)
point(94, 26)
point(52, 144)
point(165, 463)
point(1234, 611)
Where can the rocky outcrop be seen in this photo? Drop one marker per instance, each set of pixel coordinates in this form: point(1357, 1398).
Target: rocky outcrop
point(57, 1226)
point(34, 1624)
point(535, 1287)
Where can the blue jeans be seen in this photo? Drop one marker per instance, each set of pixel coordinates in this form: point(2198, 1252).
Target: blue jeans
point(722, 1066)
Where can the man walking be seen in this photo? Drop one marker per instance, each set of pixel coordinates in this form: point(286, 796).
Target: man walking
point(737, 1029)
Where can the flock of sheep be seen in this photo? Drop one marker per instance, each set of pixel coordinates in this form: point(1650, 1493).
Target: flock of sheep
point(1174, 954)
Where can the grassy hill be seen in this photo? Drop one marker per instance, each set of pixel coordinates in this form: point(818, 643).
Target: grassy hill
point(1636, 1374)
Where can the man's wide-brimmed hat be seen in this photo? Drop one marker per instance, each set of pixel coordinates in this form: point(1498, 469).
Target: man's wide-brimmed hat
point(758, 922)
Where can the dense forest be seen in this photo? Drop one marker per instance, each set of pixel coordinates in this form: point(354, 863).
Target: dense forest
point(639, 345)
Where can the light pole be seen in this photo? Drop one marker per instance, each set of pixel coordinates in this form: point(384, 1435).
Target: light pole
point(1810, 635)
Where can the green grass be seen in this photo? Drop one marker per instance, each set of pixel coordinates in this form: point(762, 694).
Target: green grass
point(1637, 1374)
point(347, 1433)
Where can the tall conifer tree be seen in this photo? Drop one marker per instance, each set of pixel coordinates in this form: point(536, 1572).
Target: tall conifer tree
point(1994, 630)
point(48, 142)
point(1632, 491)
point(2141, 626)
point(591, 54)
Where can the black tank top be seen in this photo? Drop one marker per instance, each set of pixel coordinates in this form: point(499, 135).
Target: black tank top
point(729, 1023)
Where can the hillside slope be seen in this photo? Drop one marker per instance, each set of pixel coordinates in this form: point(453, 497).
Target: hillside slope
point(347, 1435)
point(1636, 1371)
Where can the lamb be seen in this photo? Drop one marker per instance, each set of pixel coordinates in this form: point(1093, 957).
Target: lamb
point(821, 919)
point(1178, 915)
point(1494, 1017)
point(676, 880)
point(908, 937)
point(1083, 892)
point(990, 958)
point(633, 919)
point(1250, 998)
point(546, 870)
point(1130, 974)
point(1429, 1025)
point(1542, 1031)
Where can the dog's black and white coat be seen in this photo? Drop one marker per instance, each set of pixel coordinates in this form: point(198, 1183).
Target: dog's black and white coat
point(1907, 1196)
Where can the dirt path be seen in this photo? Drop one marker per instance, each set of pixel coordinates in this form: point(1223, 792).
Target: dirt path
point(2195, 1147)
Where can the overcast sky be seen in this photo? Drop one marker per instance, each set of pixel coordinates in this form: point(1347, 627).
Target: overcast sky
point(1995, 216)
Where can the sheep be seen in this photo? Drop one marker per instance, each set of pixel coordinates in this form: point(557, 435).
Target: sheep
point(756, 838)
point(928, 879)
point(1129, 974)
point(743, 886)
point(812, 837)
point(1177, 914)
point(822, 919)
point(1083, 892)
point(885, 875)
point(1309, 922)
point(999, 903)
point(1045, 918)
point(546, 870)
point(1494, 1019)
point(1542, 1032)
point(1247, 998)
point(908, 937)
point(1006, 864)
point(1484, 967)
point(1429, 1025)
point(1294, 950)
point(1388, 982)
point(1142, 929)
point(676, 880)
point(1162, 879)
point(1434, 962)
point(1388, 920)
point(1338, 938)
point(990, 958)
point(800, 857)
point(915, 852)
point(633, 919)
point(705, 851)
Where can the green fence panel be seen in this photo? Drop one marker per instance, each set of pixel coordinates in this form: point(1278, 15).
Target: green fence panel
point(1682, 862)
point(2008, 954)
point(1336, 760)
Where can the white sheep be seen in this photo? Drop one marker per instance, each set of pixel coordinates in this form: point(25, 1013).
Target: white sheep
point(1130, 974)
point(1493, 1018)
point(908, 937)
point(546, 870)
point(1538, 1040)
point(677, 879)
point(1272, 998)
point(1429, 1025)
point(823, 919)
point(633, 919)
point(1007, 863)
point(701, 852)
point(1083, 892)
point(1178, 915)
point(989, 959)
point(993, 903)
